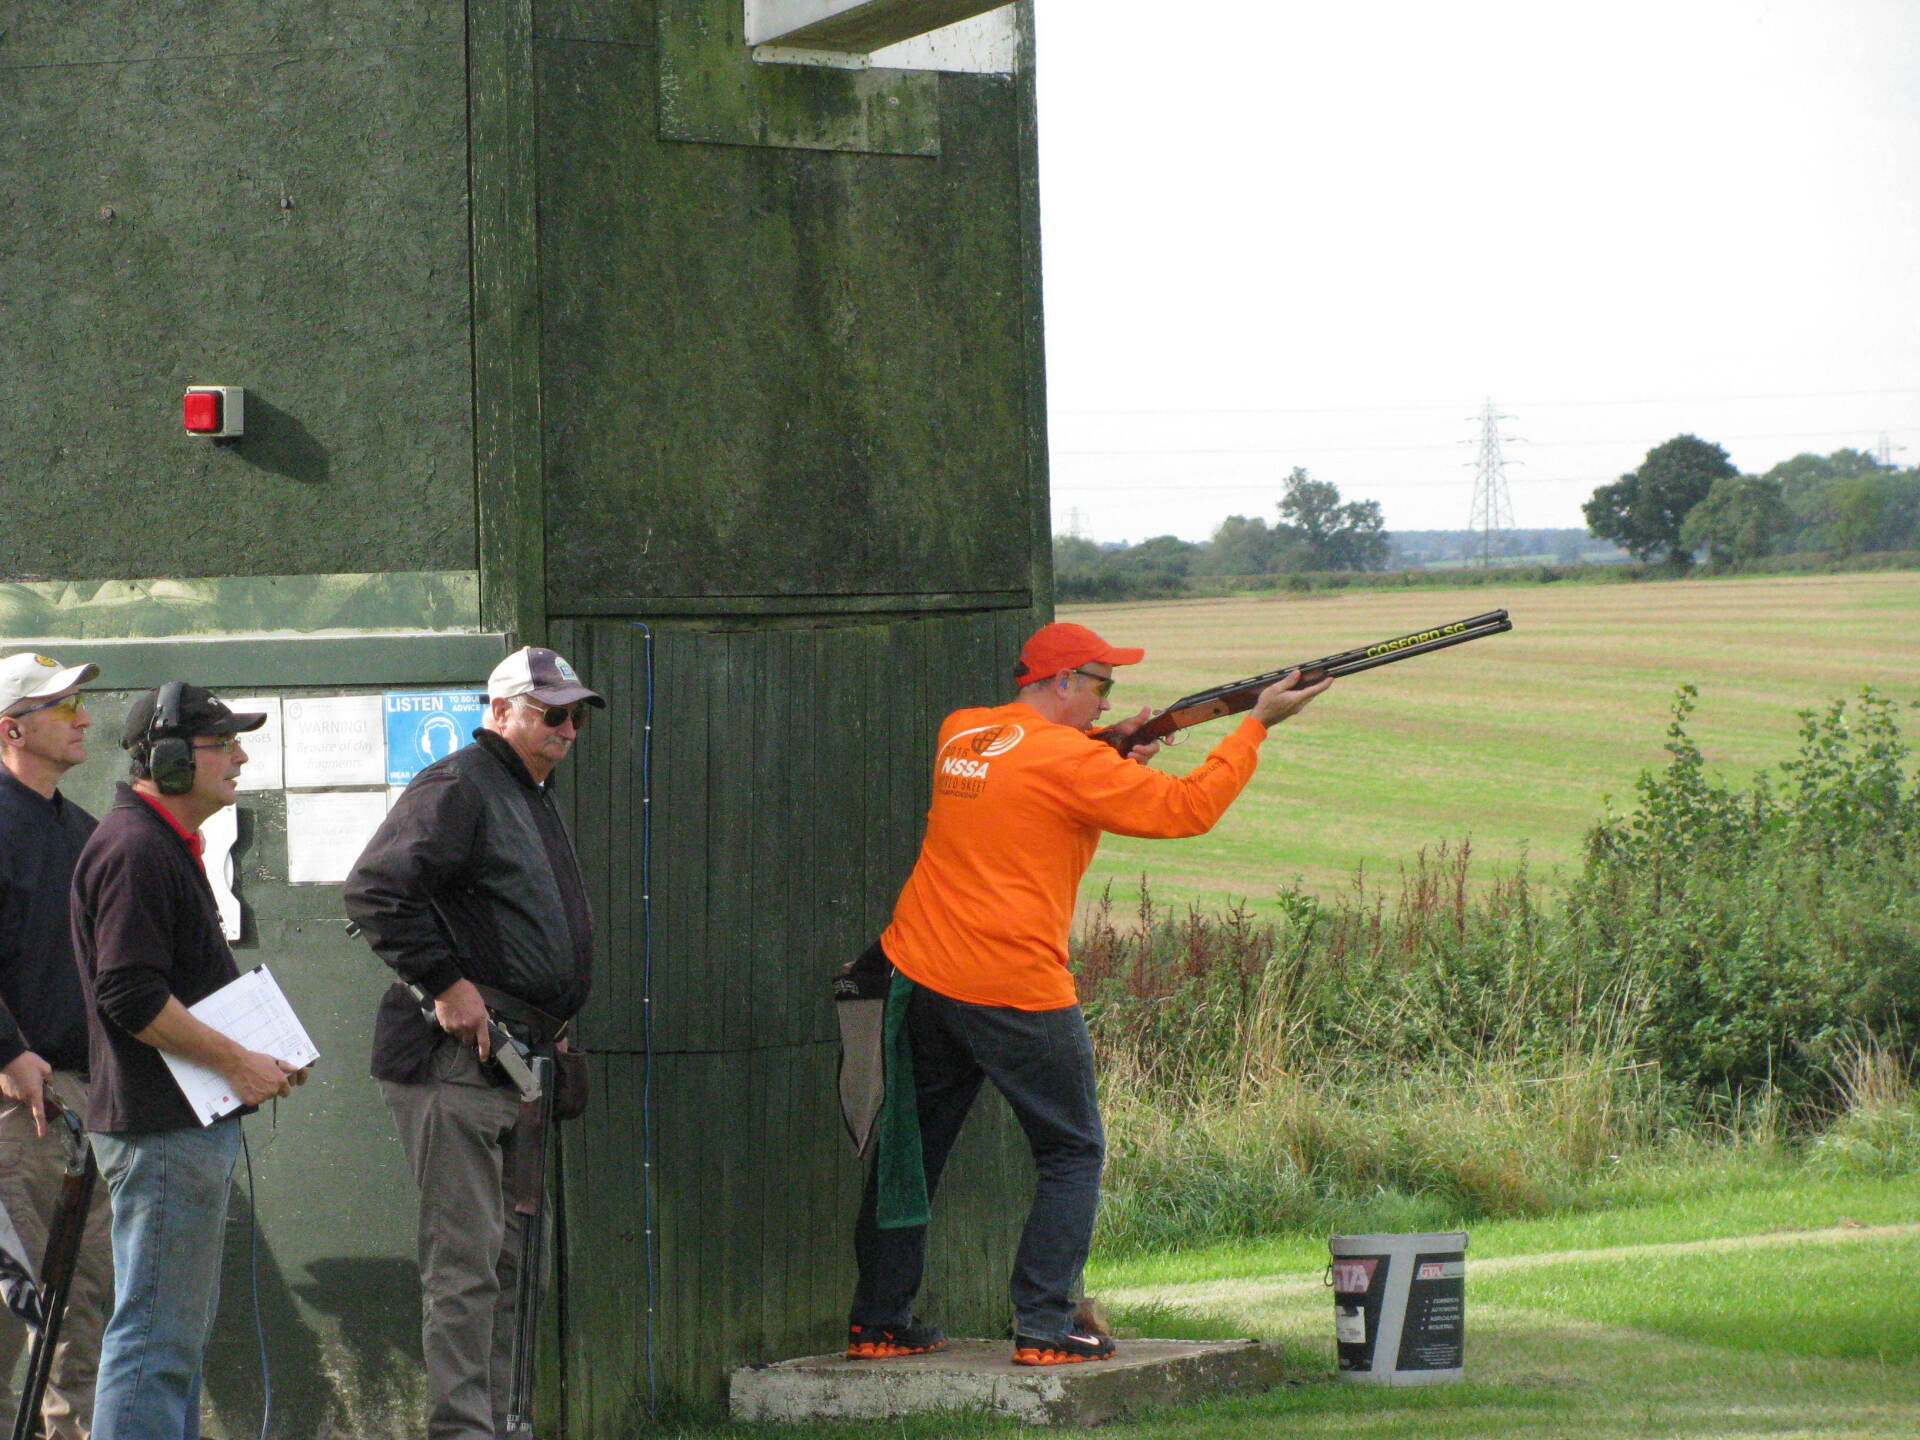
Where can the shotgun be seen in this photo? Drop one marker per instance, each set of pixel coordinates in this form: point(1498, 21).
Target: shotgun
point(527, 1208)
point(56, 1270)
point(1238, 695)
point(504, 1051)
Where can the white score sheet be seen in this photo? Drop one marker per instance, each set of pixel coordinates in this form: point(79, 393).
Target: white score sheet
point(254, 1011)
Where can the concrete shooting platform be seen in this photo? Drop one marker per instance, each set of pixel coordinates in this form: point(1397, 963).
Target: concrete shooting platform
point(980, 1375)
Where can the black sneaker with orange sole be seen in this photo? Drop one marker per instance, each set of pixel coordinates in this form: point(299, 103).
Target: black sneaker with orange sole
point(886, 1342)
point(1071, 1349)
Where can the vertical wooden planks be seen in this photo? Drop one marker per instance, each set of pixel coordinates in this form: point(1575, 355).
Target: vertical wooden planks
point(681, 880)
point(791, 773)
point(728, 804)
point(775, 751)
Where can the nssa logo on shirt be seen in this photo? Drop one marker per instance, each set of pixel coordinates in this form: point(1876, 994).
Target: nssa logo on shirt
point(963, 767)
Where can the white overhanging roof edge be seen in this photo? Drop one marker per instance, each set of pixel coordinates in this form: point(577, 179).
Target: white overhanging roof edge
point(854, 26)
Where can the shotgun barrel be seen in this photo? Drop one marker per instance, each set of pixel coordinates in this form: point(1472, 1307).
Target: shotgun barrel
point(57, 1268)
point(1238, 695)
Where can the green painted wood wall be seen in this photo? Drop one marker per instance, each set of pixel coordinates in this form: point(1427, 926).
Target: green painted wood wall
point(791, 413)
point(791, 769)
point(240, 192)
point(570, 298)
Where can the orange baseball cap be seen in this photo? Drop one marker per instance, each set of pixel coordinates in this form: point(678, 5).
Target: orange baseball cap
point(1066, 646)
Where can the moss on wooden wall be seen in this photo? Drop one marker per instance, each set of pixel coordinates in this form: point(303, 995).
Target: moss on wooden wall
point(781, 371)
point(262, 194)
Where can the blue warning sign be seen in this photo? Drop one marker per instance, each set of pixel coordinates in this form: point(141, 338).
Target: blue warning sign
point(429, 725)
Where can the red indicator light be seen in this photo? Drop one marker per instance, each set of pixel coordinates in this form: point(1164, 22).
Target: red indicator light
point(216, 411)
point(201, 412)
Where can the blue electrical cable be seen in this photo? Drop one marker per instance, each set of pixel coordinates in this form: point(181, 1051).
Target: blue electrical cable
point(646, 1020)
point(253, 1279)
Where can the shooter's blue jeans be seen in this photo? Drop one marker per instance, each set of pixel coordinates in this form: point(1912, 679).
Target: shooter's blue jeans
point(169, 1220)
point(1041, 1061)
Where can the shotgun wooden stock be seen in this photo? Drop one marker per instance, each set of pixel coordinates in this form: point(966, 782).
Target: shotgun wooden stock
point(1238, 695)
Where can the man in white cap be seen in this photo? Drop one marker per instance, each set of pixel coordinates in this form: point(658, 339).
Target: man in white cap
point(470, 891)
point(43, 1020)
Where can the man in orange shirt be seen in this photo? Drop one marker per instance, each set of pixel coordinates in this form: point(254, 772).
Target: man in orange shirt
point(1021, 795)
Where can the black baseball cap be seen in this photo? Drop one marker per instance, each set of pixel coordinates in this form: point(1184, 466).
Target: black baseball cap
point(200, 712)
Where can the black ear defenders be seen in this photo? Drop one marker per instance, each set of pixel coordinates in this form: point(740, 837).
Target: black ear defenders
point(169, 757)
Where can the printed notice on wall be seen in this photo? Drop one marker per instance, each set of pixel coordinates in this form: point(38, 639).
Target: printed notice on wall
point(263, 745)
point(425, 726)
point(336, 740)
point(219, 833)
point(327, 831)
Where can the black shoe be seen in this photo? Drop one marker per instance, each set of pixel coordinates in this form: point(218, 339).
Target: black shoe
point(886, 1342)
point(1070, 1349)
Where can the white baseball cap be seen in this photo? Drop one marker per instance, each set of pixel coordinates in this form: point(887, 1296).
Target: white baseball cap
point(537, 671)
point(27, 676)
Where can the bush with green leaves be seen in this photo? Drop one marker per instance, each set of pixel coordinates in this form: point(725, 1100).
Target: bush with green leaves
point(1718, 968)
point(1760, 928)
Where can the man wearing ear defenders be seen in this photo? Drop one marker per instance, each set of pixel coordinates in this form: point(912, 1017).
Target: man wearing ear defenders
point(470, 891)
point(148, 941)
point(1021, 796)
point(43, 1021)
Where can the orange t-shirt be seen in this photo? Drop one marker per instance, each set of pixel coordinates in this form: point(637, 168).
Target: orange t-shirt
point(1019, 805)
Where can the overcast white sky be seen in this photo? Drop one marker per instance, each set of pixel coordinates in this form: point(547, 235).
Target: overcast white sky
point(1325, 232)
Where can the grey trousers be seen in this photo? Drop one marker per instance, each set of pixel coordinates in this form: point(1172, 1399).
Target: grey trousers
point(457, 1132)
point(31, 1172)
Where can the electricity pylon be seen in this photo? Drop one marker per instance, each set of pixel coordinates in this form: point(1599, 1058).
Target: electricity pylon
point(1492, 514)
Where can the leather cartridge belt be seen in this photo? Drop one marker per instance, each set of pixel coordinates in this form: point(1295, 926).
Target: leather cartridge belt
point(527, 1022)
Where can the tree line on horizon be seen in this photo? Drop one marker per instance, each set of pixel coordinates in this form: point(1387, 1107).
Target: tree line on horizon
point(1314, 529)
point(1686, 502)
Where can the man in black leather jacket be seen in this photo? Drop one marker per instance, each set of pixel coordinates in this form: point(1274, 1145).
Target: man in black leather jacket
point(471, 892)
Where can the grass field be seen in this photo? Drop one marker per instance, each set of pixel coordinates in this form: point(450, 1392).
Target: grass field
point(1768, 1304)
point(1709, 1305)
point(1514, 742)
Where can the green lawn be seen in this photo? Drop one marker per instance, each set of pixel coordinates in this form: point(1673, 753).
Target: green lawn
point(1686, 1203)
point(1827, 1298)
point(1513, 742)
point(1717, 1302)
point(1731, 1301)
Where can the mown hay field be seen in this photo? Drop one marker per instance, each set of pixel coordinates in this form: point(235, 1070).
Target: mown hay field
point(1514, 743)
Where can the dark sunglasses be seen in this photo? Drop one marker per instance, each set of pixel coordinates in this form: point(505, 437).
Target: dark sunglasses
point(1102, 684)
point(558, 715)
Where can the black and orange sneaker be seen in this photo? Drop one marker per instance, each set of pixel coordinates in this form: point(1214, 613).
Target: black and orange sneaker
point(886, 1342)
point(1070, 1349)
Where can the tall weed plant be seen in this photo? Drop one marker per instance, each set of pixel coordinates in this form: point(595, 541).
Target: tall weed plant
point(1764, 929)
point(1438, 1050)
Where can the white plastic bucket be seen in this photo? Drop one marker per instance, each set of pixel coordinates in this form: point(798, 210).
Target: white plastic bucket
point(1399, 1307)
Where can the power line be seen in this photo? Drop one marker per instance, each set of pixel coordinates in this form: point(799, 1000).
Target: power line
point(1529, 404)
point(1309, 449)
